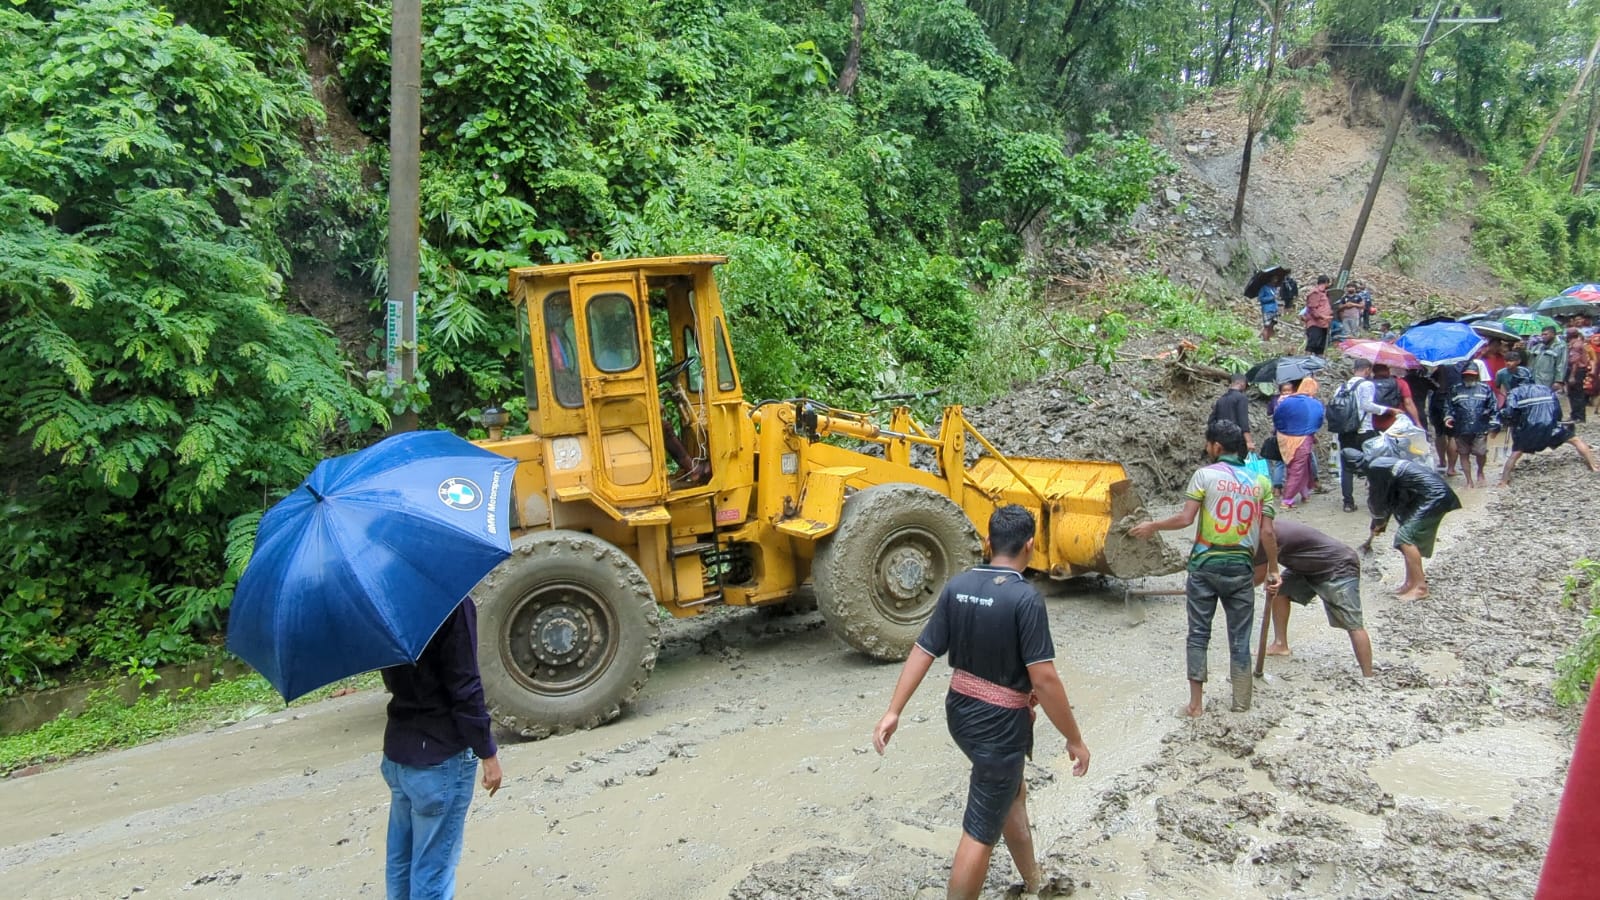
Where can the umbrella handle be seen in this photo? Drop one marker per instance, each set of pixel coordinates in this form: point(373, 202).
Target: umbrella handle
point(313, 492)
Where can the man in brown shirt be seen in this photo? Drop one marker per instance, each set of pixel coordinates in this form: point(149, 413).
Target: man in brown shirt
point(1318, 317)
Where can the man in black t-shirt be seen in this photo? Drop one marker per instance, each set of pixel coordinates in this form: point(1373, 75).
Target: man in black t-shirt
point(1234, 406)
point(993, 625)
point(1315, 565)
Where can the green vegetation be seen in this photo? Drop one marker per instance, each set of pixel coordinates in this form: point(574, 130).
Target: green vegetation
point(107, 722)
point(1435, 190)
point(1222, 336)
point(1576, 669)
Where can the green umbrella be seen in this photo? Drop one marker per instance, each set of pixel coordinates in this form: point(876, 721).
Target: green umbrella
point(1529, 323)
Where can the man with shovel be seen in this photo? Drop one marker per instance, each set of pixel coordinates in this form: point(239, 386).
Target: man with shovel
point(1316, 565)
point(1235, 507)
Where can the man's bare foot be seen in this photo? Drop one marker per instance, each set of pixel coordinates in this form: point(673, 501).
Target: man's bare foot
point(1416, 593)
point(1277, 649)
point(1503, 483)
point(1189, 712)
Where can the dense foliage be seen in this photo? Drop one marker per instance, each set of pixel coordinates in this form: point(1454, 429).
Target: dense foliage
point(155, 385)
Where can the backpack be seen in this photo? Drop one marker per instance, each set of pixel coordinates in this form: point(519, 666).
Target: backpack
point(1387, 392)
point(1344, 412)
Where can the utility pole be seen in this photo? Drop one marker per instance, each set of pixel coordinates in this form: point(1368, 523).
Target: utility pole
point(1434, 21)
point(1580, 180)
point(405, 172)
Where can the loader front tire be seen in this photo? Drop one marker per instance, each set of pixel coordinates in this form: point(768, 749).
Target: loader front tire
point(568, 634)
point(879, 574)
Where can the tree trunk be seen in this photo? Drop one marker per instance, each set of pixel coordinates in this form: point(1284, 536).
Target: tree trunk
point(1564, 108)
point(1224, 49)
point(1258, 114)
point(852, 58)
point(1244, 179)
point(1582, 178)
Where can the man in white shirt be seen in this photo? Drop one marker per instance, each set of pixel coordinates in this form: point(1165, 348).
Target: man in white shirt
point(1366, 401)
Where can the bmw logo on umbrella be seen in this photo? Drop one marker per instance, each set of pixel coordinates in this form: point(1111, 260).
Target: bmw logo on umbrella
point(460, 493)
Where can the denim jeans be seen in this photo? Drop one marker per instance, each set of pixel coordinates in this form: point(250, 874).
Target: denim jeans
point(427, 818)
point(1347, 475)
point(1232, 585)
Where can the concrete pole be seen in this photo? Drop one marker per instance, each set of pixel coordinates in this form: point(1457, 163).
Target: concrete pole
point(405, 147)
point(1383, 155)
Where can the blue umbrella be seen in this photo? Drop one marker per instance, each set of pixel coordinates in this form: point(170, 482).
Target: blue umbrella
point(1441, 343)
point(360, 565)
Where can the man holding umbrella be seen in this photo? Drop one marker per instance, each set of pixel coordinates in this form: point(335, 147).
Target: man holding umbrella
point(364, 566)
point(437, 732)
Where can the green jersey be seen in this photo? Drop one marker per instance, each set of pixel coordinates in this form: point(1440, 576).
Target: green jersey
point(1232, 501)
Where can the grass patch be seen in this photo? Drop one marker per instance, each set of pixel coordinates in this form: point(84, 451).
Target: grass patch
point(107, 723)
point(1222, 338)
point(1434, 190)
point(1025, 338)
point(1576, 668)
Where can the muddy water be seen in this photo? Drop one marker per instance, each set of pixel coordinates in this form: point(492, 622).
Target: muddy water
point(1478, 772)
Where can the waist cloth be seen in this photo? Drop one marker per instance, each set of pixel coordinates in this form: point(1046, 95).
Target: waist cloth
point(993, 725)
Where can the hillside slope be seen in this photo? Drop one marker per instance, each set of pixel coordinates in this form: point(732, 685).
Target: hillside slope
point(1302, 205)
point(1305, 197)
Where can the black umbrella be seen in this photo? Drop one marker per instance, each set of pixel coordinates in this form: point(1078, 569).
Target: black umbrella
point(1284, 368)
point(1253, 286)
point(1501, 312)
point(1566, 306)
point(1431, 320)
point(1497, 330)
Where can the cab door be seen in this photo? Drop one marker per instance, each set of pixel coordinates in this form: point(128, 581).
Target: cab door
point(623, 415)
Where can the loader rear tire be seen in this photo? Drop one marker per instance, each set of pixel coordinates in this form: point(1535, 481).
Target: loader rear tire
point(879, 574)
point(568, 634)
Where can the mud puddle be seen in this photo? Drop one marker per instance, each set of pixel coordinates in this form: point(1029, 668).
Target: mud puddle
point(1478, 772)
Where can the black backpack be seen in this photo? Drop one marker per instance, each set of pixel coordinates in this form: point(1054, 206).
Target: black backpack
point(1344, 412)
point(1387, 392)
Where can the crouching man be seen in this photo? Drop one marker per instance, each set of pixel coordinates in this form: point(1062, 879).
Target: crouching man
point(1315, 565)
point(993, 625)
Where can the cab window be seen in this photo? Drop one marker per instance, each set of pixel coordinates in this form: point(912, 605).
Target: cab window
point(724, 361)
point(530, 381)
point(694, 374)
point(613, 332)
point(561, 342)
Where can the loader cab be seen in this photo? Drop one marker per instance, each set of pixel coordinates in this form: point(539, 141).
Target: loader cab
point(630, 378)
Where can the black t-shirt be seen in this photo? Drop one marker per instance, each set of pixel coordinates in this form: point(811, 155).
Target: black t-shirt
point(1445, 379)
point(1233, 406)
point(993, 625)
point(1306, 551)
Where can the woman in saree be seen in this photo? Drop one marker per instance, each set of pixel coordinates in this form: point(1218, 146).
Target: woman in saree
point(1297, 419)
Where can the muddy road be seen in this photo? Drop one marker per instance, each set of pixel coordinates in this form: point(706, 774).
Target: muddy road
point(746, 769)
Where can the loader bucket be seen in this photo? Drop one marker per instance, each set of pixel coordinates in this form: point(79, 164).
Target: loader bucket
point(1084, 511)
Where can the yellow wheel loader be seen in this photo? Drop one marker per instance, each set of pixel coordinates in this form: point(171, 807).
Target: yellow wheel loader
point(647, 481)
